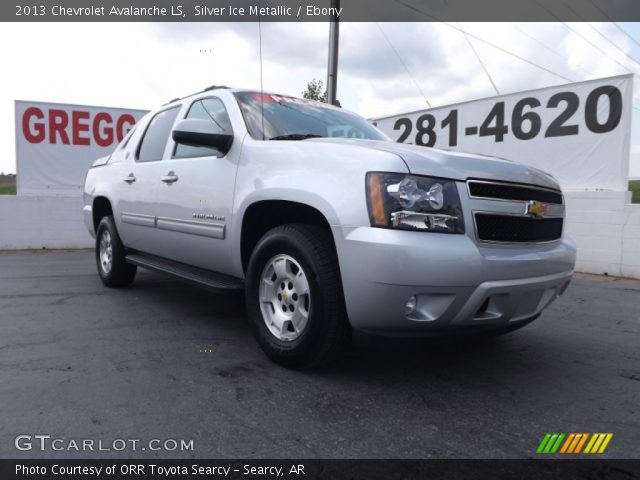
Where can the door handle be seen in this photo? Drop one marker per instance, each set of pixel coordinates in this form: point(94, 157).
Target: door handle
point(169, 177)
point(130, 178)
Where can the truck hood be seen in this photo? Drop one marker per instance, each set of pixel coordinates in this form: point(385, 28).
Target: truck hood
point(455, 165)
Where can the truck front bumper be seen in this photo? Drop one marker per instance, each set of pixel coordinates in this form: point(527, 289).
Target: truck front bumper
point(422, 283)
point(87, 216)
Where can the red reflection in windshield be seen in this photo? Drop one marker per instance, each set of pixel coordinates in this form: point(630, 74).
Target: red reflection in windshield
point(263, 98)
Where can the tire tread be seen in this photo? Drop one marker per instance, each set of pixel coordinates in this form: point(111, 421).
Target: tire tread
point(319, 245)
point(122, 273)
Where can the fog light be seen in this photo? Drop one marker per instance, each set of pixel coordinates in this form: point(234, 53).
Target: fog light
point(410, 305)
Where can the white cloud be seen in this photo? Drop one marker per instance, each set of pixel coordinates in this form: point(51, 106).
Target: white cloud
point(145, 65)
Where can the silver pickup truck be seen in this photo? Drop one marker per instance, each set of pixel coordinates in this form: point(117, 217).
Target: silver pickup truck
point(325, 223)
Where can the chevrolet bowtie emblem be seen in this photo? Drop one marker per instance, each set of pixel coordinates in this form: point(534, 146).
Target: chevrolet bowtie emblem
point(536, 209)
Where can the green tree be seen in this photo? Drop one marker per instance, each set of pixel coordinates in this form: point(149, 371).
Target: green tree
point(314, 91)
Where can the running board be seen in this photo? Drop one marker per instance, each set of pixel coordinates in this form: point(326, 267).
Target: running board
point(203, 278)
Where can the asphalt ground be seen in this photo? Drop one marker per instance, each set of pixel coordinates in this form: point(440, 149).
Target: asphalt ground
point(168, 361)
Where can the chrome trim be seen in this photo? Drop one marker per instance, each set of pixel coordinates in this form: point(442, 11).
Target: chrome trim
point(138, 219)
point(203, 229)
point(521, 185)
point(495, 242)
point(552, 210)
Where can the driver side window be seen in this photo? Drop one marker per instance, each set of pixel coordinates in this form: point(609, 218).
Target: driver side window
point(211, 109)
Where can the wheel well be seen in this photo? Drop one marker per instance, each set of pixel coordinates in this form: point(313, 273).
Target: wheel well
point(263, 216)
point(101, 208)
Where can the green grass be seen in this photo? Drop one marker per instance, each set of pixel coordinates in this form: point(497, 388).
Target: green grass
point(7, 188)
point(634, 186)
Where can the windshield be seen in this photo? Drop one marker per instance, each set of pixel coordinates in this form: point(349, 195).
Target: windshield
point(289, 118)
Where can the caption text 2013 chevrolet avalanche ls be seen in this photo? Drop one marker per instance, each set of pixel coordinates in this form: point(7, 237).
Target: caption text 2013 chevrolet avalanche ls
point(325, 223)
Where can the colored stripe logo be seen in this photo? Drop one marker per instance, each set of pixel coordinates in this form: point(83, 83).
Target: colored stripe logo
point(574, 443)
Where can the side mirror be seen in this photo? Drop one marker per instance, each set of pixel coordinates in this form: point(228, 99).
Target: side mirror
point(196, 132)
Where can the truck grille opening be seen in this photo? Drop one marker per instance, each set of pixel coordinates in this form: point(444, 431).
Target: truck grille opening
point(514, 229)
point(506, 191)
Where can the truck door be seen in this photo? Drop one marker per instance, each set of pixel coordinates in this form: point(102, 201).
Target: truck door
point(137, 190)
point(194, 200)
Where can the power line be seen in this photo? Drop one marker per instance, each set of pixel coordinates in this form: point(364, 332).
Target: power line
point(605, 14)
point(561, 56)
point(579, 34)
point(615, 24)
point(617, 47)
point(481, 64)
point(547, 47)
point(539, 42)
point(411, 7)
point(627, 34)
point(510, 53)
point(600, 33)
point(433, 17)
point(403, 64)
point(597, 47)
point(548, 11)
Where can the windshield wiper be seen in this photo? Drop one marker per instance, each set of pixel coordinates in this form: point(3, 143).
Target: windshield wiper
point(296, 136)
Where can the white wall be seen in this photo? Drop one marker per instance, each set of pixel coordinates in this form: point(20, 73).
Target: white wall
point(606, 229)
point(39, 221)
point(604, 225)
point(630, 265)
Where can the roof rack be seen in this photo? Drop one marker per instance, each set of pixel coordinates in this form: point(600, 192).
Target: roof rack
point(212, 87)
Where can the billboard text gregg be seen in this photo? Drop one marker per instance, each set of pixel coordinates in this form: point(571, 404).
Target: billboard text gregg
point(56, 143)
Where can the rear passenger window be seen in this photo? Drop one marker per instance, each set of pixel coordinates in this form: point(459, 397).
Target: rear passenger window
point(156, 136)
point(206, 109)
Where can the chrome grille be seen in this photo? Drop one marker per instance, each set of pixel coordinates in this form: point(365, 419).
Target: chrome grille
point(512, 191)
point(515, 213)
point(514, 229)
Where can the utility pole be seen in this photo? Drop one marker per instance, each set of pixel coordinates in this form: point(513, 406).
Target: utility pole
point(332, 69)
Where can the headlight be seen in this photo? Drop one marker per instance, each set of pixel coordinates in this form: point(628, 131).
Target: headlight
point(412, 202)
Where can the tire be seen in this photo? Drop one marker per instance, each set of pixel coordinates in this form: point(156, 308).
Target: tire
point(113, 269)
point(302, 266)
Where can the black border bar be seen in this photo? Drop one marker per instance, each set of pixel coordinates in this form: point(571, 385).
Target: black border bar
point(318, 10)
point(565, 469)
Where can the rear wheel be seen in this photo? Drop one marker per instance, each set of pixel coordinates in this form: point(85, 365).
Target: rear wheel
point(113, 269)
point(294, 297)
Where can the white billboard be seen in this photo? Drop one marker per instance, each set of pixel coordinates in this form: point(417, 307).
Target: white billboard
point(579, 132)
point(56, 143)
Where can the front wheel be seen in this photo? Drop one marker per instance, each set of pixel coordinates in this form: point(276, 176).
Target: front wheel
point(294, 297)
point(113, 269)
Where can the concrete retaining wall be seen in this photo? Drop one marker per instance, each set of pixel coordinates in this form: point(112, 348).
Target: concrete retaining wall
point(606, 229)
point(604, 225)
point(630, 264)
point(42, 222)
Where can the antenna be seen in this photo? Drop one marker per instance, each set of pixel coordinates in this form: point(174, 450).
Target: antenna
point(261, 82)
